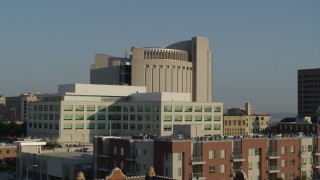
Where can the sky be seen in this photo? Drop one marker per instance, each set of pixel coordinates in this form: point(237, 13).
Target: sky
point(257, 46)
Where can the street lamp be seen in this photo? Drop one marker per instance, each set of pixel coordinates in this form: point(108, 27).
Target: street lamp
point(35, 165)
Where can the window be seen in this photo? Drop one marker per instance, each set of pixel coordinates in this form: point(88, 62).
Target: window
point(132, 108)
point(167, 118)
point(292, 162)
point(211, 154)
point(90, 126)
point(92, 107)
point(132, 117)
point(147, 117)
point(65, 126)
point(283, 150)
point(177, 108)
point(90, 117)
point(222, 153)
point(168, 156)
point(68, 108)
point(140, 108)
point(125, 117)
point(283, 163)
point(114, 117)
point(56, 126)
point(100, 108)
point(140, 126)
point(292, 149)
point(178, 118)
point(79, 117)
point(211, 169)
point(222, 168)
point(147, 127)
point(207, 118)
point(115, 150)
point(67, 117)
point(7, 151)
point(217, 109)
point(132, 126)
point(101, 125)
point(217, 118)
point(79, 108)
point(167, 109)
point(101, 117)
point(125, 108)
point(114, 108)
point(125, 126)
point(292, 176)
point(217, 127)
point(122, 151)
point(198, 109)
point(207, 109)
point(180, 171)
point(140, 117)
point(198, 117)
point(147, 109)
point(79, 126)
point(188, 109)
point(167, 127)
point(283, 175)
point(155, 108)
point(207, 127)
point(188, 118)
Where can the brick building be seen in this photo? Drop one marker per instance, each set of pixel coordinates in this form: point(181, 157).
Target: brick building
point(206, 158)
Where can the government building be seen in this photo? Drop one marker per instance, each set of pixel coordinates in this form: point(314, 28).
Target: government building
point(183, 67)
point(78, 112)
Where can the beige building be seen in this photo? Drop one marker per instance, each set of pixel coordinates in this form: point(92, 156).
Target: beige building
point(240, 122)
point(78, 112)
point(183, 67)
point(2, 100)
point(20, 103)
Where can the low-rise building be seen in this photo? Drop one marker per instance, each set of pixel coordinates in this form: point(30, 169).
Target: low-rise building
point(240, 122)
point(7, 155)
point(78, 112)
point(206, 158)
point(19, 104)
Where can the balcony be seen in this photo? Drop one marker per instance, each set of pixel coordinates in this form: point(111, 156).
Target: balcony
point(198, 175)
point(104, 168)
point(316, 152)
point(273, 155)
point(197, 160)
point(104, 155)
point(131, 158)
point(130, 172)
point(238, 158)
point(233, 172)
point(273, 169)
point(316, 165)
point(303, 166)
point(304, 153)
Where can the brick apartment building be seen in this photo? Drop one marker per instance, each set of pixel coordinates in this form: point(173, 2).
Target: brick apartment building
point(7, 155)
point(204, 158)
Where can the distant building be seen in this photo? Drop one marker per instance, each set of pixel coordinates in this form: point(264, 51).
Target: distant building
point(19, 104)
point(2, 100)
point(295, 125)
point(183, 67)
point(31, 148)
point(308, 92)
point(7, 155)
point(78, 112)
point(204, 158)
point(240, 122)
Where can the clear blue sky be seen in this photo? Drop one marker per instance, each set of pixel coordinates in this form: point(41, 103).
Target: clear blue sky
point(258, 45)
